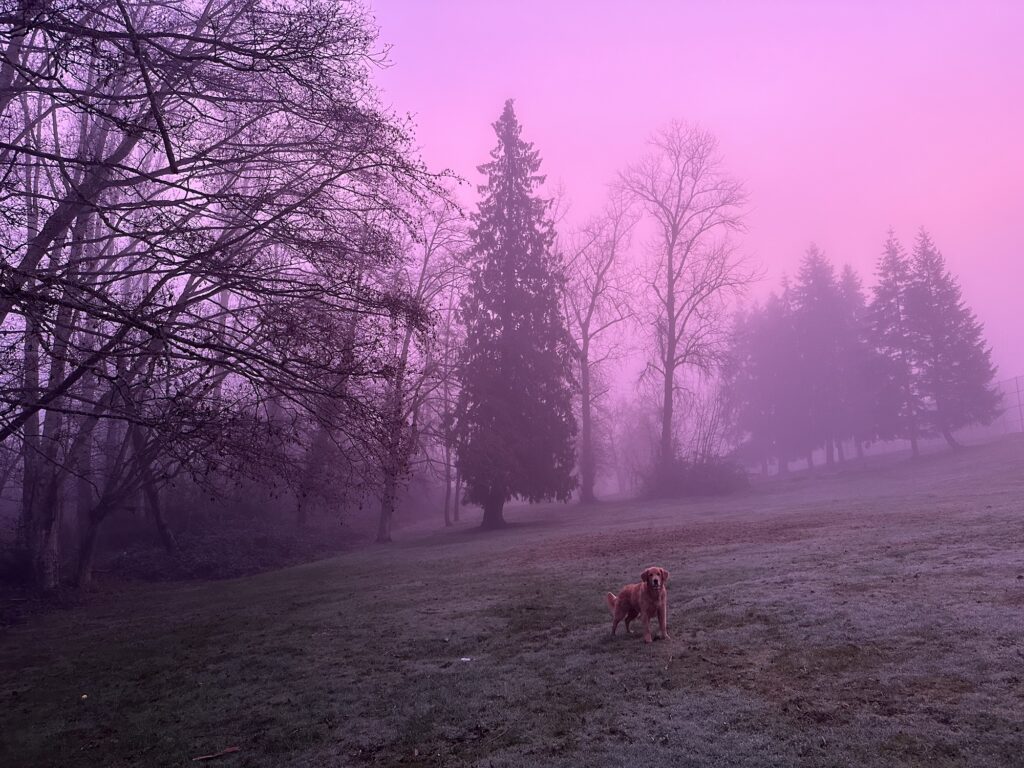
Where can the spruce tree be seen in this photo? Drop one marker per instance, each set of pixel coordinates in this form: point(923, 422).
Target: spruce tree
point(516, 425)
point(953, 362)
point(897, 399)
point(818, 318)
point(762, 382)
point(858, 364)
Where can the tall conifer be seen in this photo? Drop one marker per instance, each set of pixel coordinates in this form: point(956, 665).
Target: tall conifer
point(953, 362)
point(819, 324)
point(860, 365)
point(898, 400)
point(516, 425)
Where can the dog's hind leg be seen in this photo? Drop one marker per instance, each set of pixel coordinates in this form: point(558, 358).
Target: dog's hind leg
point(632, 615)
point(621, 612)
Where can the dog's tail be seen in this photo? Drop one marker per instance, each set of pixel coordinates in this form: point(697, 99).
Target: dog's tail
point(612, 600)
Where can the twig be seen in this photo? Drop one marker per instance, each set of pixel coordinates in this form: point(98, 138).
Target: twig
point(225, 751)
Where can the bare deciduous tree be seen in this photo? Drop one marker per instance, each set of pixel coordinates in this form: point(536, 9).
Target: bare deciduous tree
point(596, 299)
point(193, 194)
point(693, 207)
point(434, 243)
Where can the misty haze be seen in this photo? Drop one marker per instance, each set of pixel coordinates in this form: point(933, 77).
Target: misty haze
point(511, 384)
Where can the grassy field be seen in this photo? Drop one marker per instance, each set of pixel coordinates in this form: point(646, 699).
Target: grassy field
point(865, 618)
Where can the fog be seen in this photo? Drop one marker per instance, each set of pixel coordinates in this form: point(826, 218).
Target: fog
point(843, 120)
point(365, 365)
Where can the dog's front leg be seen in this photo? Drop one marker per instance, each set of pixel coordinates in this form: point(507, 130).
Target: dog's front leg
point(647, 628)
point(663, 621)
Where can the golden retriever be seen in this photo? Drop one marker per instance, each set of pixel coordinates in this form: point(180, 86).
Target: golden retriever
point(647, 599)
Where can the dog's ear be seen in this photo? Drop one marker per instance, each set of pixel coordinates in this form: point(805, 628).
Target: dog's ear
point(645, 576)
point(664, 575)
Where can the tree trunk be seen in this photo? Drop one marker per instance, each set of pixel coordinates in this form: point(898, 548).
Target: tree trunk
point(46, 554)
point(157, 511)
point(41, 501)
point(89, 528)
point(840, 451)
point(830, 452)
point(783, 466)
point(30, 439)
point(668, 360)
point(151, 494)
point(860, 450)
point(458, 494)
point(49, 471)
point(810, 460)
point(90, 516)
point(447, 489)
point(493, 513)
point(666, 420)
point(587, 469)
point(447, 484)
point(7, 472)
point(41, 521)
point(950, 440)
point(914, 449)
point(387, 508)
point(398, 449)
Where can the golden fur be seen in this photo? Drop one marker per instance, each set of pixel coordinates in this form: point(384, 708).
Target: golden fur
point(647, 599)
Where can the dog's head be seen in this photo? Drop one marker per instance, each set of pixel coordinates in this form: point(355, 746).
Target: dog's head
point(655, 578)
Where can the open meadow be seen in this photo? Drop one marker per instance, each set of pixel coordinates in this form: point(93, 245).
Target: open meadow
point(866, 617)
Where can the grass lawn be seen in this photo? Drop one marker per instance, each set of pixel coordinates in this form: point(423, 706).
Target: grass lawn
point(864, 618)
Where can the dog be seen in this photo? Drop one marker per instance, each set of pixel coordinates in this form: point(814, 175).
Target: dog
point(647, 599)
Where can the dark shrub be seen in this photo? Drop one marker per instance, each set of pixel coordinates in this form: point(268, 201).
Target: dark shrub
point(707, 477)
point(15, 565)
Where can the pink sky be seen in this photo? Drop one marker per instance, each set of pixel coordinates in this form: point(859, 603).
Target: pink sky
point(842, 118)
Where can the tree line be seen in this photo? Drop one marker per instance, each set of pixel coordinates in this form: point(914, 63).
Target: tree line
point(824, 365)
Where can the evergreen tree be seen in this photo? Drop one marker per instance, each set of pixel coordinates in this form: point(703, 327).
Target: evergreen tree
point(818, 317)
point(859, 365)
point(786, 372)
point(762, 383)
point(953, 362)
point(897, 400)
point(516, 425)
point(744, 377)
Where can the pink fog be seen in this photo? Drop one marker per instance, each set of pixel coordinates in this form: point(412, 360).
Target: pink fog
point(843, 118)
